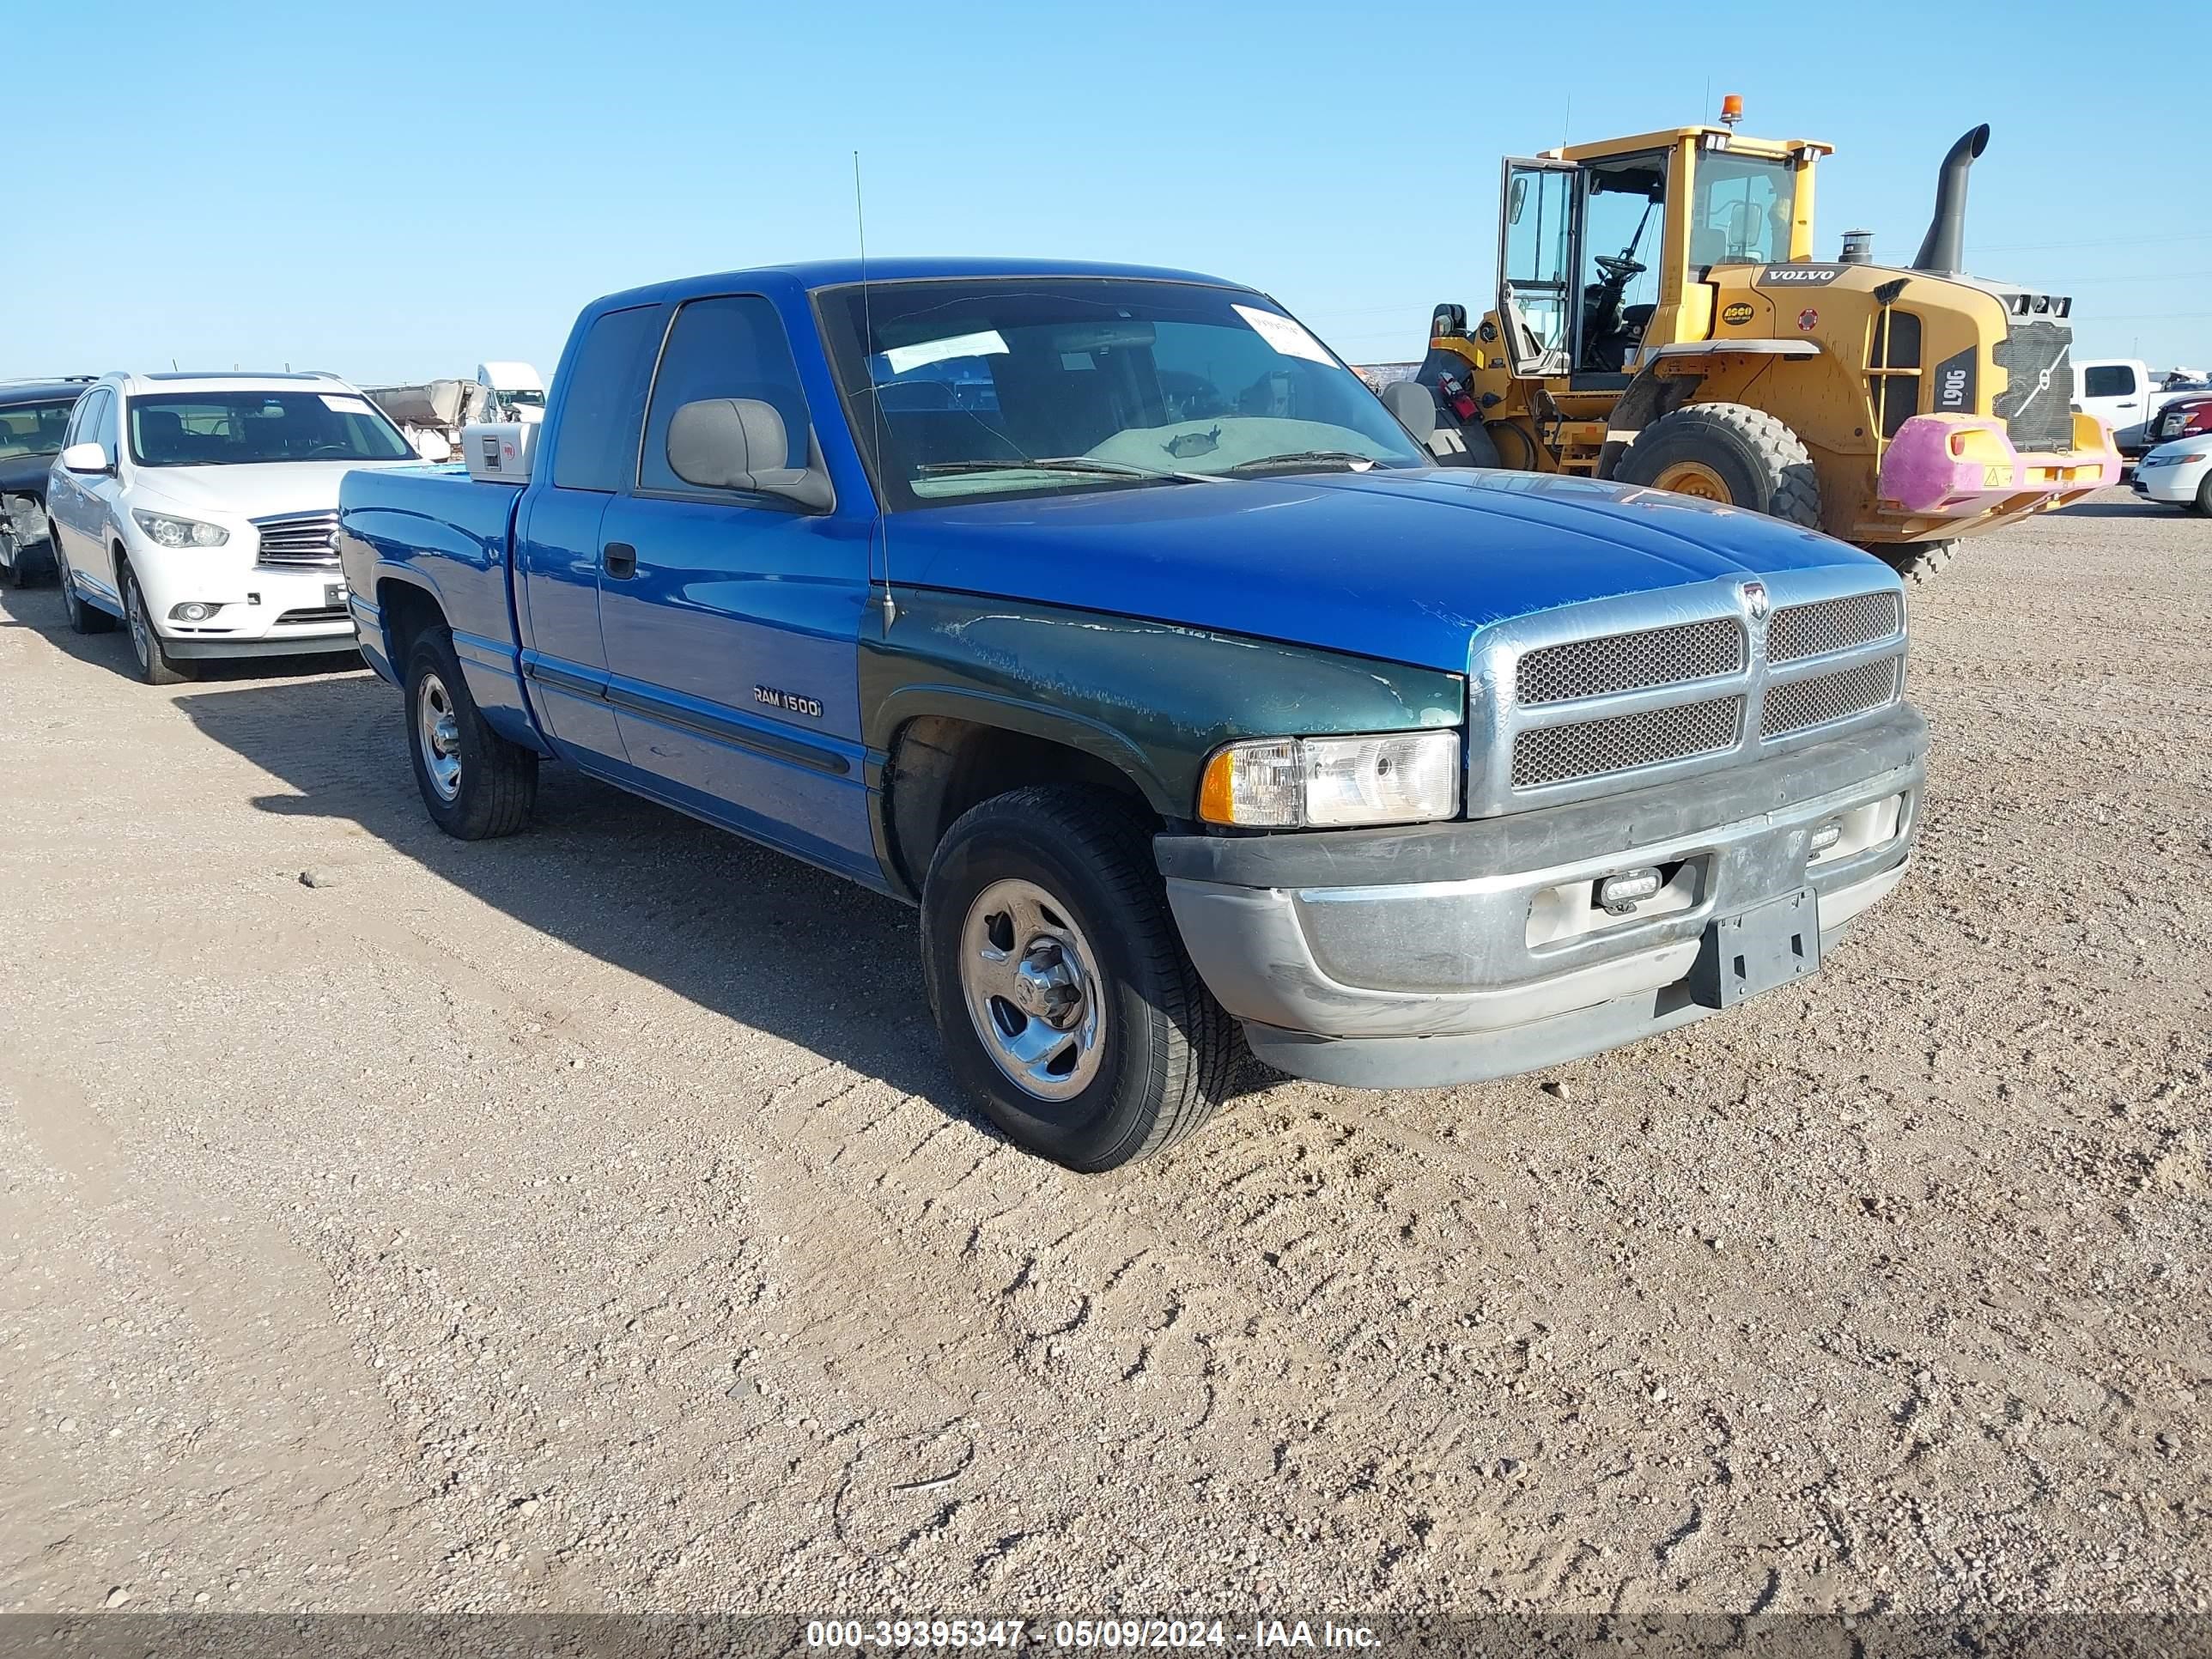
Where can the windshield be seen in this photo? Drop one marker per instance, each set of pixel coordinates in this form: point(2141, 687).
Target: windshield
point(531, 398)
point(1740, 209)
point(33, 428)
point(1029, 386)
point(237, 429)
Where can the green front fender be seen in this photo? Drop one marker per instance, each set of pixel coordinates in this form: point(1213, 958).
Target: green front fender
point(1151, 699)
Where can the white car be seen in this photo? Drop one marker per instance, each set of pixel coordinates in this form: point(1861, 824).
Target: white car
point(201, 509)
point(2178, 473)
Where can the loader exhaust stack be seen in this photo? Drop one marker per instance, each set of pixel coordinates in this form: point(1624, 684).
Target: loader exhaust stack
point(1942, 251)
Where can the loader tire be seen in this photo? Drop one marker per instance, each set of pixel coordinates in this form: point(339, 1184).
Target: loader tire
point(1916, 561)
point(1726, 453)
point(1481, 447)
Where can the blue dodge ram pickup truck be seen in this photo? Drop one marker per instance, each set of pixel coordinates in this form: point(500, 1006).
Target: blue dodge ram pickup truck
point(1104, 614)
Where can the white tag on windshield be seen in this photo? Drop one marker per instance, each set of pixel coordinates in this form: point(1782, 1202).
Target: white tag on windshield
point(344, 405)
point(1286, 336)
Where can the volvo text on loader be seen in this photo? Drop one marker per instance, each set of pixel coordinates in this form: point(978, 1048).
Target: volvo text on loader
point(1660, 320)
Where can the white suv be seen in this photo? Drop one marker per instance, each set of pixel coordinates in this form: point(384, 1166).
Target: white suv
point(201, 509)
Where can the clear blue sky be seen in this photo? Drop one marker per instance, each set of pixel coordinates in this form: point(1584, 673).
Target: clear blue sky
point(398, 191)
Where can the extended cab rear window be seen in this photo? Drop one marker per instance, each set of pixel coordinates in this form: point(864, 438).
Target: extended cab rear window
point(596, 445)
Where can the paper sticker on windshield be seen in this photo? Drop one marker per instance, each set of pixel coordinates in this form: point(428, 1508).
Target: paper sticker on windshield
point(345, 406)
point(1286, 336)
point(904, 360)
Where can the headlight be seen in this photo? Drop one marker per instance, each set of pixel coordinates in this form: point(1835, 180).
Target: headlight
point(179, 533)
point(1314, 783)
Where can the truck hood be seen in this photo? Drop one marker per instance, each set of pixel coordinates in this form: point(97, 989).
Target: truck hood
point(250, 492)
point(1403, 565)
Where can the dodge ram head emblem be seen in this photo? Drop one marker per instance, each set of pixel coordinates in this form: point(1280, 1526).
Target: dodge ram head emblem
point(1755, 600)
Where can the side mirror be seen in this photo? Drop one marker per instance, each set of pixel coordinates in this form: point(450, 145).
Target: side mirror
point(433, 447)
point(1517, 198)
point(740, 443)
point(1414, 405)
point(85, 458)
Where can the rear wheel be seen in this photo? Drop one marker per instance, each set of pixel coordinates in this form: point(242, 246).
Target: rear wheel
point(1729, 453)
point(155, 665)
point(475, 783)
point(82, 619)
point(1065, 1001)
point(1917, 561)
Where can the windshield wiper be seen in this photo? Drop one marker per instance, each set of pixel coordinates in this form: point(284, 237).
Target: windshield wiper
point(1058, 463)
point(1300, 458)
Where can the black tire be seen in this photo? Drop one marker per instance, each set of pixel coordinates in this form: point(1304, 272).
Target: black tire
point(1917, 561)
point(1481, 447)
point(495, 785)
point(155, 665)
point(1759, 463)
point(12, 559)
point(82, 619)
point(2203, 502)
point(1166, 1049)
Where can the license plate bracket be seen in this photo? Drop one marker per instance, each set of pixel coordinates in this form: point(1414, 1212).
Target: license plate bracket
point(334, 593)
point(1762, 949)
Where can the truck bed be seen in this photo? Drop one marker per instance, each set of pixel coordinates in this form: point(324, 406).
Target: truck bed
point(434, 528)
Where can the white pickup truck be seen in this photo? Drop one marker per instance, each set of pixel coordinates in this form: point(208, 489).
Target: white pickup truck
point(2122, 393)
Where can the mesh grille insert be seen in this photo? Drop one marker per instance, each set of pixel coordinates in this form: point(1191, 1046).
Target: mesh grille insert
point(1630, 662)
point(1620, 742)
point(1805, 703)
point(1811, 630)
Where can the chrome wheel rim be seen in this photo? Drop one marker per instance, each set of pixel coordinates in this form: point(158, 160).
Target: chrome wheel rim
point(438, 736)
point(1033, 994)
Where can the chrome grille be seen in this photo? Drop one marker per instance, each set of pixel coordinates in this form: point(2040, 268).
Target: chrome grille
point(294, 539)
point(1802, 704)
point(1619, 743)
point(1813, 630)
point(1630, 662)
point(1603, 695)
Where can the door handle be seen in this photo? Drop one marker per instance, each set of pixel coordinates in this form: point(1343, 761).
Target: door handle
point(619, 560)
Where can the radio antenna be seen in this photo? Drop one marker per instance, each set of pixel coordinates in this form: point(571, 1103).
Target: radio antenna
point(875, 402)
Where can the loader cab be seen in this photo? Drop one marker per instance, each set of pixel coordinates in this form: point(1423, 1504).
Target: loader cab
point(1604, 248)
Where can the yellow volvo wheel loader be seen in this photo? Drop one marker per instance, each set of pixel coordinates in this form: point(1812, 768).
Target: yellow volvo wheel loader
point(1660, 320)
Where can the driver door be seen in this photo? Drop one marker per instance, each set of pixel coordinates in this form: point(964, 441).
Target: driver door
point(1534, 265)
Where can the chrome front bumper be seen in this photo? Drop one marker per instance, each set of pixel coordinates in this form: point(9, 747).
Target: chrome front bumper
point(1453, 952)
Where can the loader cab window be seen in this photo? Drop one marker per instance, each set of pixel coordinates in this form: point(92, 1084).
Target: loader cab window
point(1624, 218)
point(1740, 208)
point(1533, 242)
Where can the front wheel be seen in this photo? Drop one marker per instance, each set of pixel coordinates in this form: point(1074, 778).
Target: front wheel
point(475, 783)
point(1065, 1001)
point(155, 665)
point(2203, 503)
point(1726, 453)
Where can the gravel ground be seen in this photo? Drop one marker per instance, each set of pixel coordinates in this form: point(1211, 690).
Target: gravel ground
point(586, 1221)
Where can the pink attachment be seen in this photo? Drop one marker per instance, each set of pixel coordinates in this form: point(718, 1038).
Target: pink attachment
point(1923, 471)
